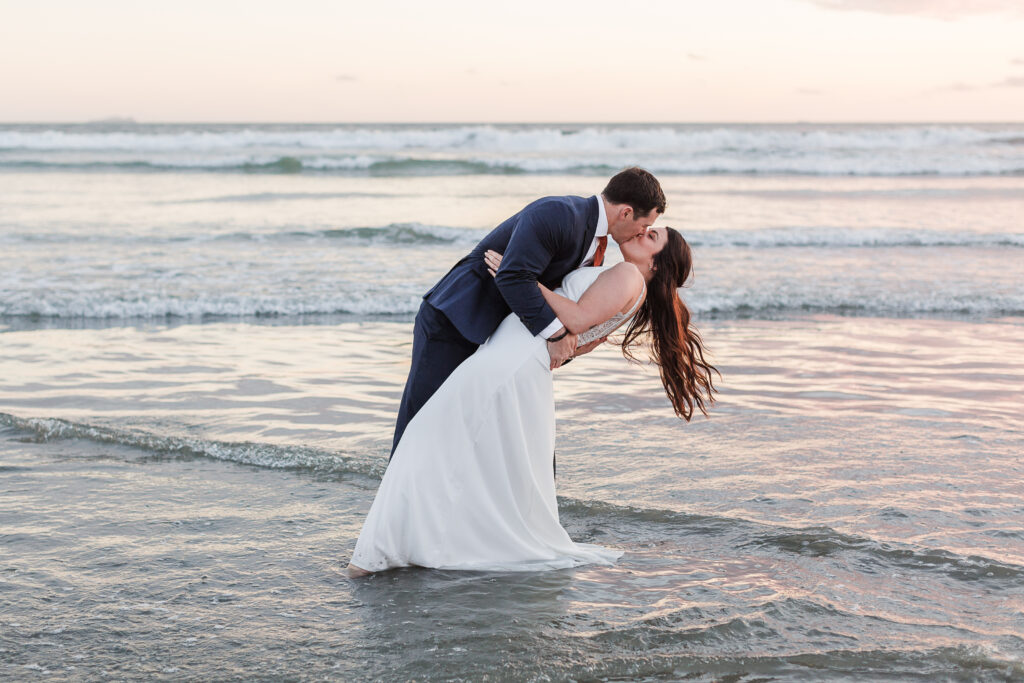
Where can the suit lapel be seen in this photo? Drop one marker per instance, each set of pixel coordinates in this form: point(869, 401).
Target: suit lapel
point(590, 230)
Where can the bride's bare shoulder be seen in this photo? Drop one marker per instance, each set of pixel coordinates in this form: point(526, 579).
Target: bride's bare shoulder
point(624, 279)
point(626, 275)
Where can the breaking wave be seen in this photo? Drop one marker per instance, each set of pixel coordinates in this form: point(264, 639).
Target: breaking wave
point(821, 150)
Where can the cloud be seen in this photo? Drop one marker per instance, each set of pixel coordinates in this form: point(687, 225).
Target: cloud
point(345, 78)
point(696, 57)
point(809, 91)
point(957, 87)
point(1019, 61)
point(1010, 82)
point(936, 9)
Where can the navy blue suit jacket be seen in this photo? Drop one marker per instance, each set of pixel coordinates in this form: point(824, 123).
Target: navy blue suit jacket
point(542, 243)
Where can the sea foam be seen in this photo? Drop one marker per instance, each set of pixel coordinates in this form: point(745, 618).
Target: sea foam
point(859, 150)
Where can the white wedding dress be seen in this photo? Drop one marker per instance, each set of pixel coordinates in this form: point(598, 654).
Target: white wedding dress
point(471, 484)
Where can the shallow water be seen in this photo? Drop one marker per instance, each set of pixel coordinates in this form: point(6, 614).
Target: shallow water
point(853, 507)
point(204, 331)
point(197, 569)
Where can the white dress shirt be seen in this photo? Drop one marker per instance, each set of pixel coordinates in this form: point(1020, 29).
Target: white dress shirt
point(588, 259)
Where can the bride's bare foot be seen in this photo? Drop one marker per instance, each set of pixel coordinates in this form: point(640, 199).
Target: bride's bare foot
point(355, 572)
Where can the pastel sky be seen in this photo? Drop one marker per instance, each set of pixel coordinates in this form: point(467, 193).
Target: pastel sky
point(521, 60)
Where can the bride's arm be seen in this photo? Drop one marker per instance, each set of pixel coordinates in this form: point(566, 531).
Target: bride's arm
point(612, 292)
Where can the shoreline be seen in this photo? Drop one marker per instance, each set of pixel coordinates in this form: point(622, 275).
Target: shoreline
point(32, 323)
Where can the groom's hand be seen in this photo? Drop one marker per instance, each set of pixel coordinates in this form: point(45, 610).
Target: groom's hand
point(562, 349)
point(587, 348)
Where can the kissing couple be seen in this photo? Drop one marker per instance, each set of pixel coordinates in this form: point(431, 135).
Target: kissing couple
point(470, 482)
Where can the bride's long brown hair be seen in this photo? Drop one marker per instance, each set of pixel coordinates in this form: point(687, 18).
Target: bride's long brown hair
point(675, 344)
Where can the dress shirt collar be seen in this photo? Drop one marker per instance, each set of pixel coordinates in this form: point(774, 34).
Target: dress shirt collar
point(602, 218)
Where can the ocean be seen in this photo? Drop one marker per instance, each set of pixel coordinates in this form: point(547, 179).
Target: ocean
point(205, 330)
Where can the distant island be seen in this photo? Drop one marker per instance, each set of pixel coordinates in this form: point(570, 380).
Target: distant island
point(115, 120)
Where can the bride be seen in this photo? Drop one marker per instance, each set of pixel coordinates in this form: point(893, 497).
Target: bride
point(471, 483)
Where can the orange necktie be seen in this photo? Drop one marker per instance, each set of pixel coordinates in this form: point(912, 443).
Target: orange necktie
point(602, 244)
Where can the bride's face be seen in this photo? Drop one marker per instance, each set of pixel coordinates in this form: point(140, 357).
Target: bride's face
point(640, 250)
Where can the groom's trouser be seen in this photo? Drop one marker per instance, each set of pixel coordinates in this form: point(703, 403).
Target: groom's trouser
point(437, 349)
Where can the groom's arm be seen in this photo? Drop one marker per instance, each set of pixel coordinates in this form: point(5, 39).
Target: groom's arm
point(540, 233)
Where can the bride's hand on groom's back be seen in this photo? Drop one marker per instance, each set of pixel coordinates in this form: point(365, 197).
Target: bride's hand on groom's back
point(493, 260)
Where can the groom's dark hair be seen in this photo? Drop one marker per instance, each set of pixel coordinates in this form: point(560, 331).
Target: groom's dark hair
point(638, 188)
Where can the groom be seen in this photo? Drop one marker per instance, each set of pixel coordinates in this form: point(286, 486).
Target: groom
point(542, 243)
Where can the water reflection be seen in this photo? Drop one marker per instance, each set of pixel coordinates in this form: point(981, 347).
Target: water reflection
point(424, 619)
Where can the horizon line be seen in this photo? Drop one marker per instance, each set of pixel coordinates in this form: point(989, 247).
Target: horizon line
point(130, 121)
